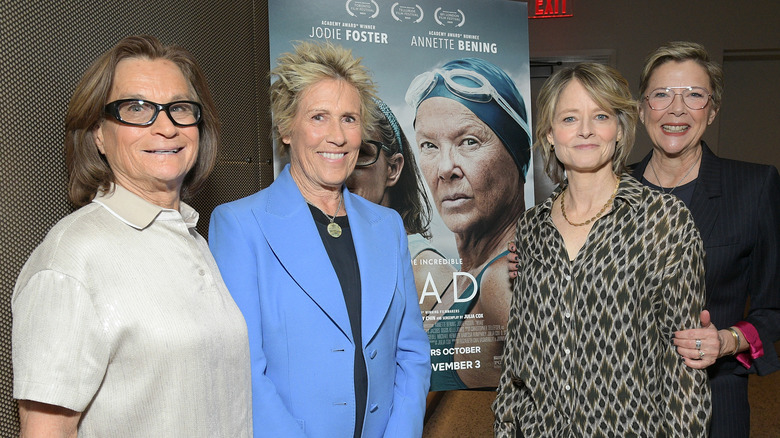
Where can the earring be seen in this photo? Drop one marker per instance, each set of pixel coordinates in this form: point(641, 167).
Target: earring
point(552, 148)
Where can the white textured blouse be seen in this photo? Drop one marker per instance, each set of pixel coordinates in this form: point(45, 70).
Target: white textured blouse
point(121, 314)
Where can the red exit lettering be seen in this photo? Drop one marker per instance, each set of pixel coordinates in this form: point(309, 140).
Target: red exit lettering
point(551, 8)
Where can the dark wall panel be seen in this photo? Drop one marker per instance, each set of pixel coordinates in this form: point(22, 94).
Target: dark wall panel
point(44, 48)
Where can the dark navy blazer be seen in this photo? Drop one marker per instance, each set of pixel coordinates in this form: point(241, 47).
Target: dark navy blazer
point(736, 206)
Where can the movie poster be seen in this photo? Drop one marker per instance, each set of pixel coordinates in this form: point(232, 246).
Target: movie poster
point(455, 73)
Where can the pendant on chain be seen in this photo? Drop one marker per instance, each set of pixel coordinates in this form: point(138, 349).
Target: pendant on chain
point(334, 230)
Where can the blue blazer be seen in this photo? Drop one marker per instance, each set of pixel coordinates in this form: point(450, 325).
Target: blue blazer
point(273, 261)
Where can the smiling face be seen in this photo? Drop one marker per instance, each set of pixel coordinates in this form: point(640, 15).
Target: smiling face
point(150, 161)
point(325, 136)
point(677, 130)
point(584, 134)
point(471, 175)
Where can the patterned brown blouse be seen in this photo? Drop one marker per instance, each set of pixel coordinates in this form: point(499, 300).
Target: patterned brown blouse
point(589, 348)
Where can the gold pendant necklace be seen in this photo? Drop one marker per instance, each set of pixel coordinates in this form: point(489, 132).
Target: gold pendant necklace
point(598, 215)
point(334, 229)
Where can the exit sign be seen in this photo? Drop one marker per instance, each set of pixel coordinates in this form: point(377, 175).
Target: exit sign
point(549, 8)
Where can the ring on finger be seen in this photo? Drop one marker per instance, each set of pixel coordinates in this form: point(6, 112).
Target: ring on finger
point(698, 344)
point(701, 355)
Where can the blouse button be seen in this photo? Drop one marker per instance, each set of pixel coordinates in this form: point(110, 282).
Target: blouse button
point(201, 272)
point(567, 387)
point(567, 315)
point(567, 351)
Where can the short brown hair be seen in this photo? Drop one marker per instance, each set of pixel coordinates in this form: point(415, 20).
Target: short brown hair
point(88, 169)
point(680, 51)
point(407, 196)
point(309, 63)
point(609, 89)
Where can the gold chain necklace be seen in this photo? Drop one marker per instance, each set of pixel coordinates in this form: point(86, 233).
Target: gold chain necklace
point(598, 215)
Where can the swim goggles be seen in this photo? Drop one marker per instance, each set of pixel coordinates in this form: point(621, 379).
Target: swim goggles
point(476, 88)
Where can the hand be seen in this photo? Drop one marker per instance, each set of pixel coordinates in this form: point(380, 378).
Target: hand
point(511, 260)
point(685, 340)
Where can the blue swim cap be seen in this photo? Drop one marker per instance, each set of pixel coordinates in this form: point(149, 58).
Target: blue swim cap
point(489, 93)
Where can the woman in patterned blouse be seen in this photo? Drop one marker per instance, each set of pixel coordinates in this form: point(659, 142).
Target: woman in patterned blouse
point(612, 269)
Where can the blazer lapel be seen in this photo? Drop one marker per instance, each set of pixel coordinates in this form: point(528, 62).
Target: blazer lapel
point(708, 186)
point(377, 254)
point(290, 231)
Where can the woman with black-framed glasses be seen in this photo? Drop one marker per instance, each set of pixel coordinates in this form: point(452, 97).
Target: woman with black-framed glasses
point(386, 172)
point(122, 323)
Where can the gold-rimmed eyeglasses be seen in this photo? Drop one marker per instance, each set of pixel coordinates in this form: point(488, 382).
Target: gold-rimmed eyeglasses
point(695, 98)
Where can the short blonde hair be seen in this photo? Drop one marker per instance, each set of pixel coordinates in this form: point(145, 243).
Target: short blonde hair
point(609, 89)
point(88, 169)
point(309, 63)
point(680, 51)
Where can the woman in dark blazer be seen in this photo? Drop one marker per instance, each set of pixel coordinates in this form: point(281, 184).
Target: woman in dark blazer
point(736, 207)
point(322, 276)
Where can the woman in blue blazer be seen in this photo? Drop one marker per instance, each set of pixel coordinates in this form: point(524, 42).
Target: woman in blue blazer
point(322, 276)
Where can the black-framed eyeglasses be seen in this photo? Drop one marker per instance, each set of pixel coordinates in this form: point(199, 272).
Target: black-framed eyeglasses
point(695, 98)
point(140, 112)
point(369, 152)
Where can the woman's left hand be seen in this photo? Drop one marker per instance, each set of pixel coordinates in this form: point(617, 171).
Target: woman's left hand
point(699, 347)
